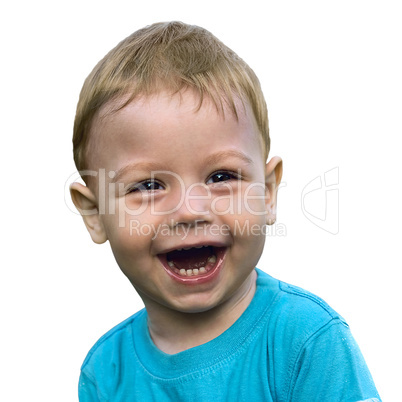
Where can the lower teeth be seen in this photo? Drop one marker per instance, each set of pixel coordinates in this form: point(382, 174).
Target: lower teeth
point(212, 259)
point(191, 272)
point(195, 271)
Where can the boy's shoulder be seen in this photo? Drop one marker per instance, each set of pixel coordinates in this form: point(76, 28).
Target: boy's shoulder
point(293, 310)
point(115, 339)
point(295, 299)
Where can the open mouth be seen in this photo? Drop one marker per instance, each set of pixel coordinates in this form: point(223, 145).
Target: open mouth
point(195, 262)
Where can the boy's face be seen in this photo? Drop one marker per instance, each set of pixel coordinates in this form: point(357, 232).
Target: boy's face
point(177, 178)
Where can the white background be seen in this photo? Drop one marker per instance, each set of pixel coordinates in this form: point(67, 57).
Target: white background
point(331, 72)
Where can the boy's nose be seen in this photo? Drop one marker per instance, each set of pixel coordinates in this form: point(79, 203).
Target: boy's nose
point(194, 206)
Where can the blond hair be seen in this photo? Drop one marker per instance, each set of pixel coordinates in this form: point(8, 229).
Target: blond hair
point(168, 56)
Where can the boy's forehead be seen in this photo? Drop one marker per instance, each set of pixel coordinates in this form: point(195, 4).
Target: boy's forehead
point(163, 107)
point(184, 101)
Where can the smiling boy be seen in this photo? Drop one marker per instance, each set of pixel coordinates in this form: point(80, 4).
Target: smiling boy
point(177, 124)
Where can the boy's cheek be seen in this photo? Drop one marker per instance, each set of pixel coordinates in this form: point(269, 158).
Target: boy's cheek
point(254, 199)
point(245, 200)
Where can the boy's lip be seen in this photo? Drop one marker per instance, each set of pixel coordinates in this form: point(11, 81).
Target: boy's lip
point(214, 269)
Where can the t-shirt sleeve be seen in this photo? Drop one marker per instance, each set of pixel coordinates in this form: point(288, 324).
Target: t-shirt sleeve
point(87, 391)
point(330, 367)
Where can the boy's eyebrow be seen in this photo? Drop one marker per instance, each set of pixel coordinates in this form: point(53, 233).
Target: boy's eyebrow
point(217, 157)
point(152, 166)
point(139, 166)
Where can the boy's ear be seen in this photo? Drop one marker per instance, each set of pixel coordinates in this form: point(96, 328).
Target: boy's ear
point(273, 176)
point(85, 202)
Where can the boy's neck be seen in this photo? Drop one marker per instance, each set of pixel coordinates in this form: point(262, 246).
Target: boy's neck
point(173, 331)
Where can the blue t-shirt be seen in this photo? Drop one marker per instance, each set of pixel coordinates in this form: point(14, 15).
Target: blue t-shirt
point(288, 345)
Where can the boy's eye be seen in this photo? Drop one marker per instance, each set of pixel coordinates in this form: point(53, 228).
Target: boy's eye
point(146, 185)
point(221, 176)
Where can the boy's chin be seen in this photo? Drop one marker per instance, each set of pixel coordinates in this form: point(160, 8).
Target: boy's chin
point(196, 307)
point(189, 304)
